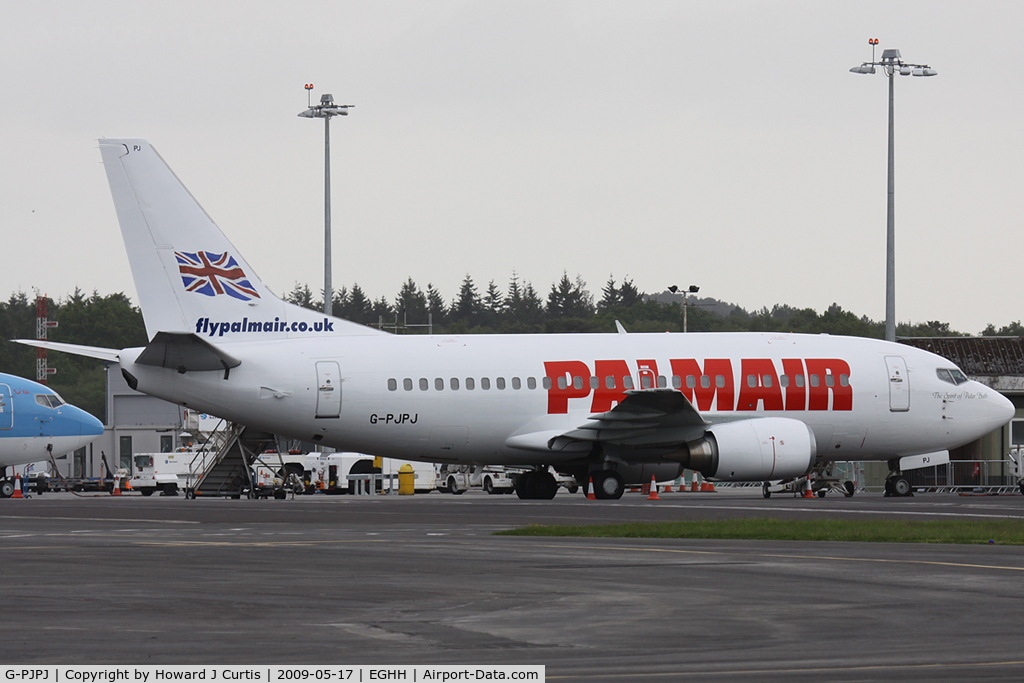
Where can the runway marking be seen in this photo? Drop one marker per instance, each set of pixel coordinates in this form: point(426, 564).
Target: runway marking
point(795, 670)
point(119, 520)
point(249, 544)
point(796, 557)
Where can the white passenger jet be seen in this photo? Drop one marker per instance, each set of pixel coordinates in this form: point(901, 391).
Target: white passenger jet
point(614, 408)
point(35, 422)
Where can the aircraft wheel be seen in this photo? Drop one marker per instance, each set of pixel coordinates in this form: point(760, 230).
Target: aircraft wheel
point(523, 485)
point(6, 488)
point(1021, 487)
point(489, 486)
point(821, 493)
point(190, 494)
point(901, 487)
point(608, 485)
point(765, 491)
point(545, 486)
point(848, 485)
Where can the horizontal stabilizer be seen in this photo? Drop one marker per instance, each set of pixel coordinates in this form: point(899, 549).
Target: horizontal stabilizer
point(111, 355)
point(184, 352)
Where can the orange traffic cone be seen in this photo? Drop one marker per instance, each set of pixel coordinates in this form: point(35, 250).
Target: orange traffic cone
point(808, 491)
point(654, 490)
point(590, 490)
point(695, 485)
point(707, 487)
point(17, 487)
point(117, 487)
point(668, 488)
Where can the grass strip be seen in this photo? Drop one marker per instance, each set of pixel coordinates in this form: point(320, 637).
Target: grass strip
point(998, 532)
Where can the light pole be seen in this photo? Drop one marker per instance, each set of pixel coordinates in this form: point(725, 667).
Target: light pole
point(325, 110)
point(891, 63)
point(693, 289)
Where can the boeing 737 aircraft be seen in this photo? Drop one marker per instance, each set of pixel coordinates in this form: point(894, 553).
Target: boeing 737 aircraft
point(35, 422)
point(617, 408)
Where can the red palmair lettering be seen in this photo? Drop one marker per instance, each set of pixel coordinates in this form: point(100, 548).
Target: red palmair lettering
point(803, 384)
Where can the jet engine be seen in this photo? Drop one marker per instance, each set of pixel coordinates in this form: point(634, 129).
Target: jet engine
point(751, 450)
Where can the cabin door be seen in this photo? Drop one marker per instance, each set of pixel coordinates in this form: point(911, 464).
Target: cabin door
point(6, 407)
point(899, 384)
point(328, 388)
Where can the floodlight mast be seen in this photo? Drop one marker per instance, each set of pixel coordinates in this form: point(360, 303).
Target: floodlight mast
point(891, 62)
point(325, 110)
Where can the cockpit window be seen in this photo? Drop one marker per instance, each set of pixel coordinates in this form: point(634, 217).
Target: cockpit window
point(951, 375)
point(49, 400)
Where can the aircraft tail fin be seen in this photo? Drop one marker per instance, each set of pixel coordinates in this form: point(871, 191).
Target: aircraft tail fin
point(188, 276)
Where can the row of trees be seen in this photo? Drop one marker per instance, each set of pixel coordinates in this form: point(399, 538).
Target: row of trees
point(112, 321)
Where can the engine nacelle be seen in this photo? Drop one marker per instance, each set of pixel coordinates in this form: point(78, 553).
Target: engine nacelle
point(752, 450)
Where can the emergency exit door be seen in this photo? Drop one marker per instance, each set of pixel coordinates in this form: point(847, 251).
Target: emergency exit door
point(899, 384)
point(328, 388)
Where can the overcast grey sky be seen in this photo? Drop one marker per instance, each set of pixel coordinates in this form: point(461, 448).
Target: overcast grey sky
point(722, 143)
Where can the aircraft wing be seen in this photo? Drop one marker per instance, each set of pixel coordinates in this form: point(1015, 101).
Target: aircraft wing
point(112, 355)
point(646, 418)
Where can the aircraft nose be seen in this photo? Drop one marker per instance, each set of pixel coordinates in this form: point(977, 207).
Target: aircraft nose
point(88, 425)
point(1000, 410)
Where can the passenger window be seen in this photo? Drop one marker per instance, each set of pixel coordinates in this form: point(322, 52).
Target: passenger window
point(705, 381)
point(454, 383)
point(720, 381)
point(546, 382)
point(830, 380)
point(485, 383)
point(531, 383)
point(407, 384)
point(424, 385)
point(844, 380)
point(609, 382)
point(577, 382)
point(516, 383)
point(677, 382)
point(562, 384)
point(392, 385)
point(751, 381)
point(800, 380)
point(500, 383)
point(627, 382)
point(784, 380)
point(595, 382)
point(767, 379)
point(645, 381)
point(815, 381)
point(662, 382)
point(439, 383)
point(470, 384)
point(691, 382)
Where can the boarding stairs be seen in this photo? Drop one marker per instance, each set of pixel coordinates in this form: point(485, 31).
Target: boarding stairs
point(225, 465)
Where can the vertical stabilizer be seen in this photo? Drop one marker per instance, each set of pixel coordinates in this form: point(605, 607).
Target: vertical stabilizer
point(188, 276)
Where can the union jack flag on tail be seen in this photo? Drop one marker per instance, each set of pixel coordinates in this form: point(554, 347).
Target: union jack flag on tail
point(212, 274)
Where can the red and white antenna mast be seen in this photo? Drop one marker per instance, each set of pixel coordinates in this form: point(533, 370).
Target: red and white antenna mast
point(42, 324)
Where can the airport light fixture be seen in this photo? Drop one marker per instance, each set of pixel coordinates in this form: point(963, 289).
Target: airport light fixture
point(692, 289)
point(891, 63)
point(326, 110)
